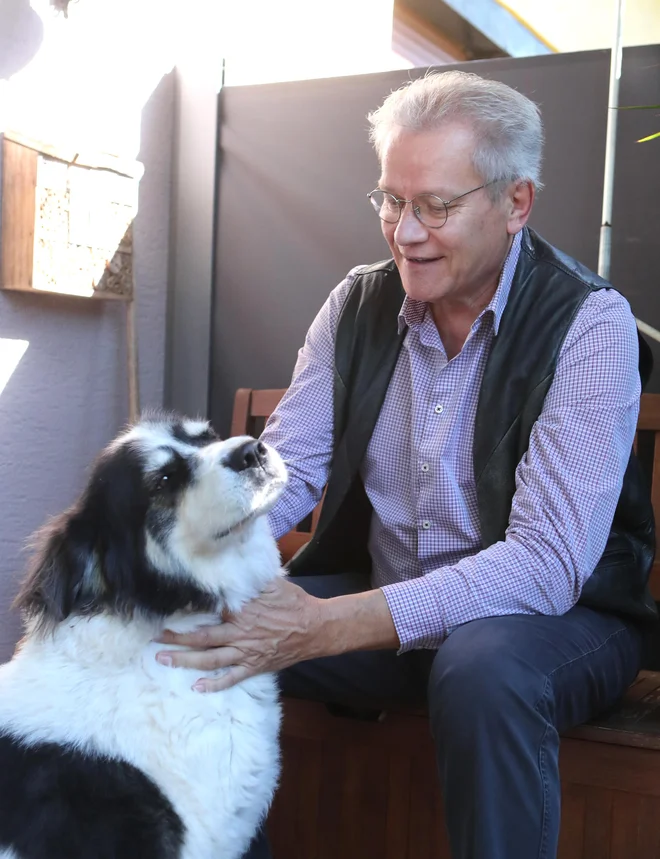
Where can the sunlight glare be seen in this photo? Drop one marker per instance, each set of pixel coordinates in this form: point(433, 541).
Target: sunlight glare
point(297, 40)
point(11, 352)
point(92, 75)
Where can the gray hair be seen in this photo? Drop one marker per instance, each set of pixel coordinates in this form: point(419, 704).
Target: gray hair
point(507, 124)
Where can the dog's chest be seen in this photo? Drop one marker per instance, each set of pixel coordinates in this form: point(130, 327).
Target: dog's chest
point(215, 756)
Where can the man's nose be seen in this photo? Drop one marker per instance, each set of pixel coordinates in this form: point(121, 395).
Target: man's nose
point(410, 229)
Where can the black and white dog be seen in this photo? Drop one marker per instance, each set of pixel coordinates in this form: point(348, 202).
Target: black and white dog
point(104, 753)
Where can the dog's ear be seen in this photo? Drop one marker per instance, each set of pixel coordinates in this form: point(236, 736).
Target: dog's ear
point(63, 573)
point(116, 502)
point(83, 561)
point(88, 558)
point(120, 552)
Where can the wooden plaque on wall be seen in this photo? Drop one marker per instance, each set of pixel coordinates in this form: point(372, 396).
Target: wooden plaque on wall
point(67, 221)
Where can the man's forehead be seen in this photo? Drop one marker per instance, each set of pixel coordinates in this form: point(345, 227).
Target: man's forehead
point(437, 160)
point(454, 138)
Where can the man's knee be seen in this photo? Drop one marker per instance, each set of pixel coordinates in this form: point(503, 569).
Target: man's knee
point(480, 674)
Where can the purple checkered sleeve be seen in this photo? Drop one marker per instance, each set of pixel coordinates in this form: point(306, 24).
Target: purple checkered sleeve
point(424, 538)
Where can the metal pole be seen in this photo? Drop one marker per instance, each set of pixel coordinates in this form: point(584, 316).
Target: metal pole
point(132, 360)
point(605, 247)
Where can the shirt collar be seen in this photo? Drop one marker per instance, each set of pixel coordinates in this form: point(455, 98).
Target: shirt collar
point(412, 312)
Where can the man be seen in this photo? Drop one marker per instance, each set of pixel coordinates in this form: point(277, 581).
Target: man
point(471, 406)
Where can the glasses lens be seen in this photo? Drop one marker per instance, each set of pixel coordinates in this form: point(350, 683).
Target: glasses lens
point(386, 205)
point(430, 210)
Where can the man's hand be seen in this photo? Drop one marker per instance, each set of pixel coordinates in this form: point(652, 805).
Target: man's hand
point(275, 630)
point(282, 626)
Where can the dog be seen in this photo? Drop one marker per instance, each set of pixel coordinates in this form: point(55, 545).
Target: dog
point(105, 753)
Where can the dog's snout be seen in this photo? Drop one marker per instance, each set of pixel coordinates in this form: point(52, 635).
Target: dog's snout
point(248, 455)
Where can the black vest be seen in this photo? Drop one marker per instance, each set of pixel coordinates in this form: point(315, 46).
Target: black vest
point(547, 291)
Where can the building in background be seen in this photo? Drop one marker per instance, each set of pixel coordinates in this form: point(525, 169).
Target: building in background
point(293, 39)
point(587, 25)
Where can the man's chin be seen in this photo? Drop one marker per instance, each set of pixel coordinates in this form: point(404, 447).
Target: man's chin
point(423, 290)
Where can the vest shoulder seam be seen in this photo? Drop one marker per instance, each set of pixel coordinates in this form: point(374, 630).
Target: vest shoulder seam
point(556, 264)
point(382, 265)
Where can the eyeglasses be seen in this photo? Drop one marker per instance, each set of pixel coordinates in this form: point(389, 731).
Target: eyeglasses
point(430, 210)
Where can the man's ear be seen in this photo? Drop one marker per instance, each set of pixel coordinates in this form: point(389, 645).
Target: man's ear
point(519, 201)
point(63, 573)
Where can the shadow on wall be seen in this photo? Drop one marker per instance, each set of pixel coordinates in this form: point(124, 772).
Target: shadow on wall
point(20, 37)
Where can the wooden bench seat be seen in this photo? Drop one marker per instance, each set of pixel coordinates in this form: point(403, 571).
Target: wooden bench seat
point(367, 789)
point(634, 722)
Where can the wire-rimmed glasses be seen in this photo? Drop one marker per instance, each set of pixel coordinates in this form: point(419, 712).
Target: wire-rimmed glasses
point(429, 209)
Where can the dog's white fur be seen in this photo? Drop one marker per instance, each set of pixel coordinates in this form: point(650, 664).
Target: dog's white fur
point(93, 682)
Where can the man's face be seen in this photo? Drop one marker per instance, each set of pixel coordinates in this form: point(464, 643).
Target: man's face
point(462, 260)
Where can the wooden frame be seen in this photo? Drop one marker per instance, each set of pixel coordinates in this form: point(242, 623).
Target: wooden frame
point(73, 258)
point(251, 410)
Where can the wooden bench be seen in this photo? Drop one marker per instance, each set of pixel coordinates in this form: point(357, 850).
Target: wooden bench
point(355, 789)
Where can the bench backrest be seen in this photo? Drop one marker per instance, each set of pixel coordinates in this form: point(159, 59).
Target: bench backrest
point(253, 407)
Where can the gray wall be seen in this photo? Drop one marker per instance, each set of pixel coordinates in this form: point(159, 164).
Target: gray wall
point(68, 395)
point(293, 215)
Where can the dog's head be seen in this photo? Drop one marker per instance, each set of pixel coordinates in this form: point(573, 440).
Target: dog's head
point(166, 504)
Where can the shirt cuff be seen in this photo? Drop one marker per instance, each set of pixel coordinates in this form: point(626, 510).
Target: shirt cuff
point(416, 613)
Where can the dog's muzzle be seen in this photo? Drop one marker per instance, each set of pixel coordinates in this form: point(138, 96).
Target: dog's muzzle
point(250, 454)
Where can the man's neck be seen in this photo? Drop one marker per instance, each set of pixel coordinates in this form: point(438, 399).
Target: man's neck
point(453, 319)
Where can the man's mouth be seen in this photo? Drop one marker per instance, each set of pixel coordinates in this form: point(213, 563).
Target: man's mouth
point(421, 260)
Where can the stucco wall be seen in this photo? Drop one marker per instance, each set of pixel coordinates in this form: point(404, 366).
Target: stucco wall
point(68, 395)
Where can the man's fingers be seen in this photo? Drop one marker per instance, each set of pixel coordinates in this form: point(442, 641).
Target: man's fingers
point(201, 660)
point(206, 636)
point(233, 675)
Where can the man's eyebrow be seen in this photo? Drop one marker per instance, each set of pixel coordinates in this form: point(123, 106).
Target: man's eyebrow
point(388, 190)
point(443, 197)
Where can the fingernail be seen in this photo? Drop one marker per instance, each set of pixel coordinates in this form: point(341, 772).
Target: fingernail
point(200, 686)
point(164, 659)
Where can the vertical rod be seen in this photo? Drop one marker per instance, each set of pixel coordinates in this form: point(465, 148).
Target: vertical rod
point(605, 247)
point(132, 360)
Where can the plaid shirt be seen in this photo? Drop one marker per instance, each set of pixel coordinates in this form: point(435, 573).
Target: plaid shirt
point(418, 473)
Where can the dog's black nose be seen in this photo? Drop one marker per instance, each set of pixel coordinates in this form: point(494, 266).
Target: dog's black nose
point(248, 455)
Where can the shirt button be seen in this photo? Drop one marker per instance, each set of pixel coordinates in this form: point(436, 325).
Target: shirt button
point(439, 409)
point(425, 466)
point(426, 524)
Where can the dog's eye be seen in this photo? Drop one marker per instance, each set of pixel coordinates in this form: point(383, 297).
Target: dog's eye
point(163, 482)
point(170, 478)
